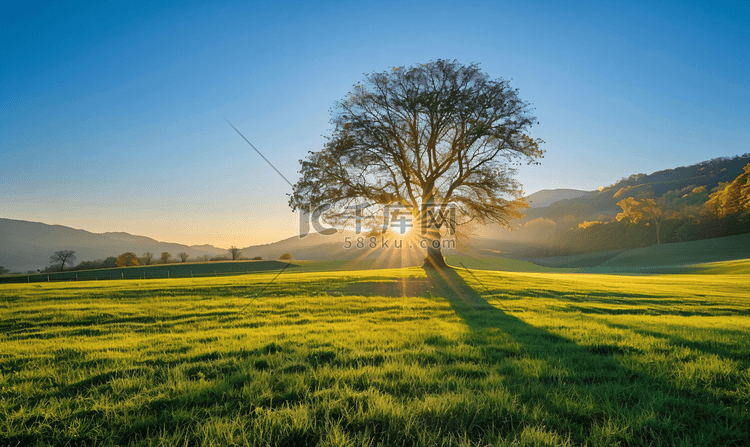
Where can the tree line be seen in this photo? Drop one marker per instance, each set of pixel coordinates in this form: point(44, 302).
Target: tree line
point(66, 258)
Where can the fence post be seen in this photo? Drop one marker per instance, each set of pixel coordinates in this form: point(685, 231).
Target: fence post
point(167, 273)
point(122, 274)
point(191, 273)
point(47, 278)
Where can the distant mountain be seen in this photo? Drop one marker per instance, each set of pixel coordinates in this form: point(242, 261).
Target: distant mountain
point(28, 245)
point(312, 246)
point(547, 197)
point(210, 249)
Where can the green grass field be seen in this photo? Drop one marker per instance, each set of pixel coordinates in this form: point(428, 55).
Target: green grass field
point(379, 357)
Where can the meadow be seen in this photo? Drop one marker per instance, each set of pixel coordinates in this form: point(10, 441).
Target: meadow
point(379, 357)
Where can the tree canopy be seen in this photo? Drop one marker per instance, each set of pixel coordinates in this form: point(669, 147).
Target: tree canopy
point(148, 258)
point(127, 259)
point(731, 198)
point(428, 137)
point(646, 207)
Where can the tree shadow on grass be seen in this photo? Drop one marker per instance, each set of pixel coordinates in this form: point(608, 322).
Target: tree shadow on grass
point(588, 393)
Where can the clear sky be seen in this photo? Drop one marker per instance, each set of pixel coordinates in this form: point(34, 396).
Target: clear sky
point(111, 113)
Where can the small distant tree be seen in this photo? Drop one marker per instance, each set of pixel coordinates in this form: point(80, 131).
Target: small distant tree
point(165, 256)
point(235, 252)
point(183, 256)
point(63, 257)
point(110, 262)
point(285, 257)
point(257, 258)
point(148, 258)
point(206, 258)
point(3, 270)
point(127, 259)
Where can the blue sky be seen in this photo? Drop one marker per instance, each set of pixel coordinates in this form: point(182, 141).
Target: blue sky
point(111, 113)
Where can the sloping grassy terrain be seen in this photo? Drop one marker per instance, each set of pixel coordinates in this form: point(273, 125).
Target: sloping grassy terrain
point(383, 357)
point(579, 260)
point(679, 254)
point(500, 264)
point(682, 257)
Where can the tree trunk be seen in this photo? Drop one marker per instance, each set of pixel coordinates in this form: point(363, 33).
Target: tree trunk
point(434, 258)
point(658, 229)
point(431, 240)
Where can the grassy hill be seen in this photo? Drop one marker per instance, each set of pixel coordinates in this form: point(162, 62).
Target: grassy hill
point(694, 256)
point(688, 255)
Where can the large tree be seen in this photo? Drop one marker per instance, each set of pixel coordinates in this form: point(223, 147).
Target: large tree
point(432, 138)
point(63, 257)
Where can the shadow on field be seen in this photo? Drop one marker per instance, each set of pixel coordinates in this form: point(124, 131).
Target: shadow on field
point(586, 387)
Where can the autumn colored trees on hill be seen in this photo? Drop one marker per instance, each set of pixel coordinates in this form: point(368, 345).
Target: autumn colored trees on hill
point(683, 214)
point(731, 198)
point(127, 259)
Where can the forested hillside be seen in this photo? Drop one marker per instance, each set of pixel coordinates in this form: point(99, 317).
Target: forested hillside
point(707, 200)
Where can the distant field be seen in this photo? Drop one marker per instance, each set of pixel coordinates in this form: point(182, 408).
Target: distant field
point(152, 271)
point(380, 357)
